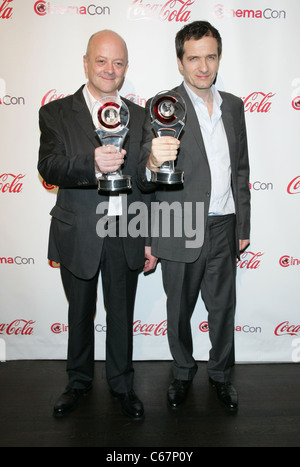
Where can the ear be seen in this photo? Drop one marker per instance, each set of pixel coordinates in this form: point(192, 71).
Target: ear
point(85, 60)
point(180, 66)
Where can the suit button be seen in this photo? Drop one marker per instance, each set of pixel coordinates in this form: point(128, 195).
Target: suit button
point(208, 194)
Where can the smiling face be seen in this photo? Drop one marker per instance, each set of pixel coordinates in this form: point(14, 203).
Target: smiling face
point(200, 64)
point(105, 63)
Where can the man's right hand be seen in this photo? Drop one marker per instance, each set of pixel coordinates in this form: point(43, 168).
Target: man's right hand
point(108, 159)
point(163, 149)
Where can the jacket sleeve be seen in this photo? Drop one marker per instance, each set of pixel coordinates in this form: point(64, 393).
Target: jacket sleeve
point(143, 183)
point(59, 163)
point(243, 189)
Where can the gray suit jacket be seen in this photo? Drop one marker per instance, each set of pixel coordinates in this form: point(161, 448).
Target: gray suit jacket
point(192, 159)
point(66, 159)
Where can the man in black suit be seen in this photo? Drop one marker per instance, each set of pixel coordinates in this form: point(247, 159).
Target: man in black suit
point(72, 158)
point(212, 152)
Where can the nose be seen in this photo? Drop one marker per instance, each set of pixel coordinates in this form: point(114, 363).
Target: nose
point(109, 67)
point(203, 65)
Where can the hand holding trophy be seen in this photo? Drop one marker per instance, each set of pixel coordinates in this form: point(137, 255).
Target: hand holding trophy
point(168, 111)
point(111, 118)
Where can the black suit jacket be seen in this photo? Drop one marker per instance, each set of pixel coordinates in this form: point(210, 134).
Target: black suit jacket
point(66, 159)
point(192, 159)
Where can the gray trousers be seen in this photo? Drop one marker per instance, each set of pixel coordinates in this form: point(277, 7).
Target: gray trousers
point(119, 291)
point(214, 274)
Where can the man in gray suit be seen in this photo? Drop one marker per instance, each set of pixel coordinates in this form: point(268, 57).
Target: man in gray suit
point(72, 157)
point(212, 152)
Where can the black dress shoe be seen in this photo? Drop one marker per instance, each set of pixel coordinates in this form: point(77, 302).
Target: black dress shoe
point(226, 394)
point(177, 392)
point(130, 404)
point(68, 401)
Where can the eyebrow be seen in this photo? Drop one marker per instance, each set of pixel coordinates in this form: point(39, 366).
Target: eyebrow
point(106, 58)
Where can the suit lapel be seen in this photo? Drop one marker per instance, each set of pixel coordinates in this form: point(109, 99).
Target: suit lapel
point(229, 129)
point(83, 117)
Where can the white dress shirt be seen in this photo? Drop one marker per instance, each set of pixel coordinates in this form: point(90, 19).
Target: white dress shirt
point(217, 150)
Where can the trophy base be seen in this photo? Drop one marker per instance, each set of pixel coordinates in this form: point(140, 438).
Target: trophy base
point(168, 178)
point(115, 184)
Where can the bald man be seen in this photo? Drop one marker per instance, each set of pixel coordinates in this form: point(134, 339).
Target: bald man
point(72, 157)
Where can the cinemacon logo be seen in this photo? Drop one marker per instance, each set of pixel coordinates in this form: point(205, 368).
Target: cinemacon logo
point(220, 11)
point(18, 260)
point(203, 327)
point(43, 8)
point(296, 103)
point(12, 100)
point(288, 261)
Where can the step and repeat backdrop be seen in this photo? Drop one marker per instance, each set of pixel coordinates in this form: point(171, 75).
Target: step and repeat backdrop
point(42, 48)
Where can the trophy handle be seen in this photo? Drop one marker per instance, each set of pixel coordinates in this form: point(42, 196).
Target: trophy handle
point(175, 131)
point(113, 181)
point(168, 111)
point(110, 117)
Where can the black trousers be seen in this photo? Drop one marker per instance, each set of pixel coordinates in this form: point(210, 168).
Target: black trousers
point(214, 274)
point(119, 285)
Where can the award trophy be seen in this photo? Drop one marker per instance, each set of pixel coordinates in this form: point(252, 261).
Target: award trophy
point(111, 117)
point(168, 112)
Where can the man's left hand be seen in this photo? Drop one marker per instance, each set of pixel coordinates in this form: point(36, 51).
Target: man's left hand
point(244, 244)
point(150, 261)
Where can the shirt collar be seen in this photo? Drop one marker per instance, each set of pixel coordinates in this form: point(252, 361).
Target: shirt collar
point(194, 98)
point(89, 98)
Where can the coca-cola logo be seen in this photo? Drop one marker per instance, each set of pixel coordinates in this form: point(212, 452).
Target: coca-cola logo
point(19, 327)
point(11, 183)
point(294, 186)
point(178, 11)
point(287, 329)
point(6, 10)
point(154, 330)
point(259, 102)
point(249, 260)
point(287, 261)
point(52, 95)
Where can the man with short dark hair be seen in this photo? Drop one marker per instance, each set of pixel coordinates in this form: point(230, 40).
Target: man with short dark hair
point(212, 152)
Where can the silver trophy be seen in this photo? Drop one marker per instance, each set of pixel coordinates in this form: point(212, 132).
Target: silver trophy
point(111, 118)
point(168, 111)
